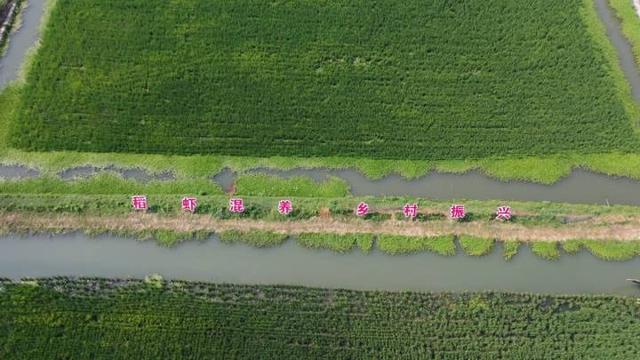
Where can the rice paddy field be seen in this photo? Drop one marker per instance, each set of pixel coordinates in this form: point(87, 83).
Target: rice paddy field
point(135, 319)
point(381, 80)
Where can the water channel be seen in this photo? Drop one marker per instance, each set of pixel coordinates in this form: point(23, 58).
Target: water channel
point(106, 256)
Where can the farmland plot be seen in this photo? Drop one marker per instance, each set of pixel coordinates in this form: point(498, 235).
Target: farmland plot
point(382, 79)
point(114, 319)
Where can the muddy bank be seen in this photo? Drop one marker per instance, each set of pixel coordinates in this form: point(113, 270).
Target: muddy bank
point(84, 172)
point(17, 172)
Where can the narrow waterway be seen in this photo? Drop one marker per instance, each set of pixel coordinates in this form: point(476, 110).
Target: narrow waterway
point(581, 187)
point(626, 58)
point(212, 261)
point(21, 41)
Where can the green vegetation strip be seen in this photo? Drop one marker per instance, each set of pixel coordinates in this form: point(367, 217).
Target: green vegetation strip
point(135, 319)
point(102, 202)
point(609, 250)
point(203, 87)
point(398, 245)
point(258, 238)
point(110, 184)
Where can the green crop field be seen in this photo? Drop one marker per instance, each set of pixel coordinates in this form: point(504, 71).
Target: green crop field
point(383, 79)
point(112, 319)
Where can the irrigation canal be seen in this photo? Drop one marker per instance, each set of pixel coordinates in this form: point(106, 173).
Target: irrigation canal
point(107, 256)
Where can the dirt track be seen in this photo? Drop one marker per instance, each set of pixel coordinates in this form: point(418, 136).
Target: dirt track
point(602, 228)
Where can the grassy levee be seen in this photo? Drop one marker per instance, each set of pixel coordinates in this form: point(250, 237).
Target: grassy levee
point(107, 202)
point(314, 227)
point(544, 168)
point(153, 318)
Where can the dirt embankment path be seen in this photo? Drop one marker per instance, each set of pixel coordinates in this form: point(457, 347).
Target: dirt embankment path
point(600, 228)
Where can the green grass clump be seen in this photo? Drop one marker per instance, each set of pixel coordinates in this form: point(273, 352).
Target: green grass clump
point(572, 246)
point(258, 238)
point(510, 249)
point(398, 244)
point(299, 186)
point(546, 249)
point(341, 243)
point(476, 246)
point(260, 79)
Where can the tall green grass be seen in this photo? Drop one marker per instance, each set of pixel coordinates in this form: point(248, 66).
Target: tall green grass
point(398, 244)
point(257, 238)
point(545, 249)
point(510, 249)
point(476, 246)
point(340, 243)
point(109, 184)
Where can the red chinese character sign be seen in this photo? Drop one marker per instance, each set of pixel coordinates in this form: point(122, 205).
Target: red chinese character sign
point(410, 211)
point(503, 213)
point(362, 209)
point(457, 212)
point(285, 207)
point(189, 204)
point(139, 202)
point(236, 205)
